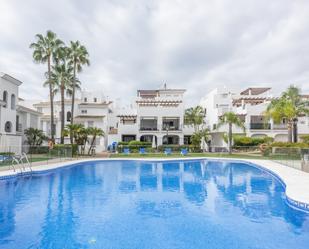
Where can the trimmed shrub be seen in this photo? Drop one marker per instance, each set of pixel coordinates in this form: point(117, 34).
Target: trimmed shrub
point(289, 145)
point(134, 146)
point(251, 141)
point(177, 148)
point(305, 139)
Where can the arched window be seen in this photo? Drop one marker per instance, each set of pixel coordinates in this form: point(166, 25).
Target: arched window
point(69, 116)
point(8, 126)
point(13, 102)
point(5, 98)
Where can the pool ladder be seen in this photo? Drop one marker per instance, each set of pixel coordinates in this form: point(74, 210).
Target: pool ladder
point(21, 161)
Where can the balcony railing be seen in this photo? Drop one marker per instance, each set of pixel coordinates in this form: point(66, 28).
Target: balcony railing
point(148, 128)
point(260, 126)
point(172, 128)
point(280, 126)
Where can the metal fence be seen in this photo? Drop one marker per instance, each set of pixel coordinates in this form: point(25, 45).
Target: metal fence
point(297, 158)
point(36, 155)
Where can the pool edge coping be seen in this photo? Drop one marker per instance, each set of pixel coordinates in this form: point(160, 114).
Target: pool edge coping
point(291, 179)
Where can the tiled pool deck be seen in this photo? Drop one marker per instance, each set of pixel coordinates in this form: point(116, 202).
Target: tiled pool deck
point(295, 181)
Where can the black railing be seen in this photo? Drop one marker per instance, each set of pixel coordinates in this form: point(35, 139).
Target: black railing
point(260, 126)
point(148, 128)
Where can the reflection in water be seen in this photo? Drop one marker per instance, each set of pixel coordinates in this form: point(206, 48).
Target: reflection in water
point(142, 205)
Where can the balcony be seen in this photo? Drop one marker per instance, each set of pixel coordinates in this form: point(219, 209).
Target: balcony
point(147, 124)
point(260, 126)
point(171, 124)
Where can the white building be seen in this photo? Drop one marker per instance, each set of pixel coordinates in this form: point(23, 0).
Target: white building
point(91, 110)
point(250, 105)
point(14, 116)
point(156, 114)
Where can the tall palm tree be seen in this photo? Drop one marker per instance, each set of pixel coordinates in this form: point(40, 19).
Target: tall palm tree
point(94, 132)
point(195, 116)
point(289, 107)
point(293, 94)
point(62, 79)
point(78, 57)
point(230, 118)
point(44, 50)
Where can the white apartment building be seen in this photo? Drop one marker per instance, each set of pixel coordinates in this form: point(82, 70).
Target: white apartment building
point(157, 116)
point(91, 110)
point(250, 105)
point(14, 116)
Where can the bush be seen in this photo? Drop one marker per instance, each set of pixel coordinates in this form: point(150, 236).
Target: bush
point(38, 150)
point(6, 153)
point(251, 141)
point(177, 148)
point(305, 139)
point(139, 143)
point(134, 146)
point(289, 145)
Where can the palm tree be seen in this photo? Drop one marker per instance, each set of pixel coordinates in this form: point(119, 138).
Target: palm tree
point(44, 50)
point(230, 118)
point(74, 130)
point(62, 79)
point(94, 132)
point(289, 107)
point(195, 116)
point(78, 57)
point(293, 94)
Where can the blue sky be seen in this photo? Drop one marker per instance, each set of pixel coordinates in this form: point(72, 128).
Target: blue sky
point(134, 44)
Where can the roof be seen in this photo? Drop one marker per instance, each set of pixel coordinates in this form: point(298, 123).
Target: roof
point(154, 93)
point(255, 90)
point(250, 100)
point(158, 102)
point(96, 103)
point(10, 79)
point(27, 109)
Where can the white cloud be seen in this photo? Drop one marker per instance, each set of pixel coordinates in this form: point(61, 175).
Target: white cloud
point(141, 44)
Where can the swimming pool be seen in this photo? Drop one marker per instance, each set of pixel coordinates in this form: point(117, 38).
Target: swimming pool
point(142, 204)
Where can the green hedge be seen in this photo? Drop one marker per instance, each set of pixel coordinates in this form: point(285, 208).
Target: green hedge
point(305, 139)
point(134, 146)
point(289, 145)
point(177, 148)
point(251, 141)
point(6, 153)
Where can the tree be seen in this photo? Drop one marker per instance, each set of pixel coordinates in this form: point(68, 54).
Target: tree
point(44, 50)
point(78, 57)
point(293, 94)
point(74, 130)
point(94, 132)
point(230, 118)
point(197, 136)
point(34, 137)
point(62, 79)
point(289, 107)
point(195, 116)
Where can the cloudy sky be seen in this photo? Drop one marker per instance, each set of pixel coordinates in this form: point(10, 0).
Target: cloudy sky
point(192, 44)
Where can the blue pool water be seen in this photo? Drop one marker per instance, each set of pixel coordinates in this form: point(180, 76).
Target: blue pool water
point(130, 204)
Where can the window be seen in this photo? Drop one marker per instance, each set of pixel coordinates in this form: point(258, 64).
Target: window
point(13, 100)
point(90, 124)
point(5, 98)
point(69, 116)
point(84, 111)
point(85, 99)
point(8, 126)
point(95, 100)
